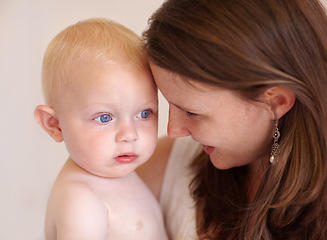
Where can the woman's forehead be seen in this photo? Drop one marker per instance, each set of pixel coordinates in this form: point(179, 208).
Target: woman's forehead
point(167, 78)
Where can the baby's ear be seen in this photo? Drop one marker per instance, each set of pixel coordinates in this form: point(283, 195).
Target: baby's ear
point(280, 99)
point(45, 117)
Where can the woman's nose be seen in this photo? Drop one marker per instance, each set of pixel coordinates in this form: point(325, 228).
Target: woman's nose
point(176, 123)
point(127, 132)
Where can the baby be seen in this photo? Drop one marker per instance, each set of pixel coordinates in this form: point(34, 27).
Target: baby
point(102, 102)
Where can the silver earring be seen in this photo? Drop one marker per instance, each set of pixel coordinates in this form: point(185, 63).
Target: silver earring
point(275, 146)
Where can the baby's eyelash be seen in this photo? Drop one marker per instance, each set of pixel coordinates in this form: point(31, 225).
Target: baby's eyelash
point(103, 118)
point(145, 114)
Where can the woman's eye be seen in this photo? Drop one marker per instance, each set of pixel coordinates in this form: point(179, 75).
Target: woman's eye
point(190, 114)
point(104, 118)
point(144, 114)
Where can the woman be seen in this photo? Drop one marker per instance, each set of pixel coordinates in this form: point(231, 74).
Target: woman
point(247, 80)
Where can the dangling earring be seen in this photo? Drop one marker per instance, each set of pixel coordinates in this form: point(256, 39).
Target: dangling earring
point(274, 148)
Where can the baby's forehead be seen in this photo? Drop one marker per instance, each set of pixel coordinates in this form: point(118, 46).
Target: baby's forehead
point(105, 80)
point(92, 70)
point(85, 68)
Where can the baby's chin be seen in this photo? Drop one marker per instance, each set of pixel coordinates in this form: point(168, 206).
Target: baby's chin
point(120, 171)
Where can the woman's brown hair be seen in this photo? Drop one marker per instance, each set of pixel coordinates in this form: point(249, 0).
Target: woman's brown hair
point(250, 46)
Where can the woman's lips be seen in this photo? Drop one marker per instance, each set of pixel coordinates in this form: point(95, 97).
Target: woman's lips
point(126, 158)
point(208, 149)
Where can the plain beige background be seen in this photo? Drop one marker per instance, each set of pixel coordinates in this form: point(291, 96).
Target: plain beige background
point(30, 159)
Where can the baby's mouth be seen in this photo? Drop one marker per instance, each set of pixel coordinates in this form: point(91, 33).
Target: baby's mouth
point(126, 158)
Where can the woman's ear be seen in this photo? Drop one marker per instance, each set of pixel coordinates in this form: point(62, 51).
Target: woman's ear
point(280, 99)
point(45, 117)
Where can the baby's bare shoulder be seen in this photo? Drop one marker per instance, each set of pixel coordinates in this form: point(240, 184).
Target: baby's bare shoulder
point(75, 211)
point(82, 207)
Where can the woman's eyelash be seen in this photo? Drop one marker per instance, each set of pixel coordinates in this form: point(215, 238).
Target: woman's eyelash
point(190, 113)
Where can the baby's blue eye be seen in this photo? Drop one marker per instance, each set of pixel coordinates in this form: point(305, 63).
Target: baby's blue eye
point(144, 114)
point(104, 118)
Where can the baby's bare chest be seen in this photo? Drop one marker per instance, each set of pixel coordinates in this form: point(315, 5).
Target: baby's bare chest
point(133, 212)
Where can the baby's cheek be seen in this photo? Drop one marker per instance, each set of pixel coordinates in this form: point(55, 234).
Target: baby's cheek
point(151, 143)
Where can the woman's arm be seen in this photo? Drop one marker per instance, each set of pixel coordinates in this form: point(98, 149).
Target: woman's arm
point(153, 171)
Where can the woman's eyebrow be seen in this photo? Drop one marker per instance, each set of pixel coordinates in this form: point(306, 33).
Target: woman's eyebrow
point(177, 106)
point(183, 109)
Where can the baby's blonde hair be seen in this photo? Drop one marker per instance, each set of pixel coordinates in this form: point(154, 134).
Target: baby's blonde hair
point(95, 39)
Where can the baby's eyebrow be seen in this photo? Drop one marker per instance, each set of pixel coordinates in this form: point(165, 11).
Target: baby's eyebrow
point(151, 104)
